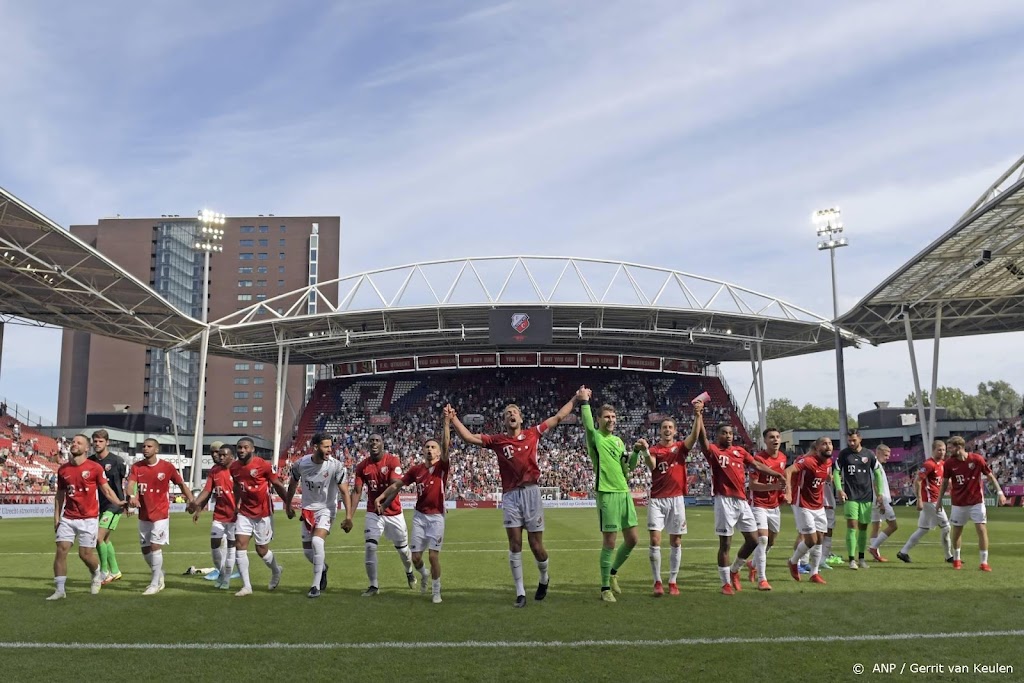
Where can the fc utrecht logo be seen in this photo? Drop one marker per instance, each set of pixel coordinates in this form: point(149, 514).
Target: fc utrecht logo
point(520, 322)
point(160, 476)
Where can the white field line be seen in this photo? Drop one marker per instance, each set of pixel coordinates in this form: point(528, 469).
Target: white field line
point(509, 644)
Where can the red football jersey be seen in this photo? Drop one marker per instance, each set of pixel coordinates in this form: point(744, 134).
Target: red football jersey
point(966, 479)
point(728, 470)
point(930, 475)
point(154, 483)
point(80, 484)
point(668, 478)
point(377, 476)
point(431, 482)
point(517, 456)
point(811, 476)
point(254, 478)
point(769, 499)
point(221, 488)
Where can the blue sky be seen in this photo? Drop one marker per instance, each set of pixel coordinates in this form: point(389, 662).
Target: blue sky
point(691, 135)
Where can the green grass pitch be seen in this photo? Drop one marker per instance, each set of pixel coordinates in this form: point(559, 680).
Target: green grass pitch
point(891, 600)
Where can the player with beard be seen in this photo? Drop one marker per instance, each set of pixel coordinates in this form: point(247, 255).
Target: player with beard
point(766, 492)
point(253, 478)
point(808, 500)
point(963, 474)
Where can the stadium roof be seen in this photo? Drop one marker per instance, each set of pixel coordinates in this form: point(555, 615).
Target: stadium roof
point(598, 306)
point(50, 277)
point(975, 272)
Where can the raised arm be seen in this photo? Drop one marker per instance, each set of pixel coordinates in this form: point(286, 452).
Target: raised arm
point(691, 439)
point(446, 432)
point(464, 433)
point(563, 412)
point(643, 448)
point(698, 427)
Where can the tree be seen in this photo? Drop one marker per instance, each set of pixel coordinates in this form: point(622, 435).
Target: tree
point(993, 400)
point(783, 414)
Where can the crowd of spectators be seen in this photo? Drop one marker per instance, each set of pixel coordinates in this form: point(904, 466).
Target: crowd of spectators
point(27, 466)
point(1004, 450)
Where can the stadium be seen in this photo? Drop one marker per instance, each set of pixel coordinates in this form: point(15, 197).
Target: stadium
point(393, 346)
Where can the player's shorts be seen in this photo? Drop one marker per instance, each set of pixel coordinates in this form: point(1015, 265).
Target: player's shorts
point(861, 512)
point(830, 517)
point(155, 533)
point(768, 518)
point(220, 529)
point(961, 514)
point(615, 510)
point(667, 514)
point(391, 526)
point(732, 514)
point(315, 519)
point(932, 516)
point(809, 521)
point(261, 529)
point(84, 530)
point(889, 515)
point(109, 520)
point(427, 532)
point(523, 508)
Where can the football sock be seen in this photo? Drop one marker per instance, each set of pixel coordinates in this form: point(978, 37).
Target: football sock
point(798, 553)
point(515, 562)
point(606, 567)
point(724, 575)
point(862, 542)
point(826, 548)
point(218, 557)
point(944, 531)
point(542, 567)
point(914, 539)
point(403, 552)
point(112, 558)
point(371, 562)
point(815, 558)
point(319, 555)
point(736, 564)
point(229, 562)
point(655, 555)
point(101, 548)
point(761, 557)
point(242, 558)
point(984, 557)
point(423, 571)
point(157, 557)
point(622, 554)
point(436, 586)
point(851, 542)
point(268, 560)
point(956, 553)
point(308, 552)
point(675, 558)
point(60, 581)
point(148, 557)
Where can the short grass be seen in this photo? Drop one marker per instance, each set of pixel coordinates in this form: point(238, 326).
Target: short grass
point(892, 599)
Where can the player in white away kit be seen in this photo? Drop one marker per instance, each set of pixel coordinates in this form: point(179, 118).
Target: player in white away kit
point(323, 479)
point(882, 508)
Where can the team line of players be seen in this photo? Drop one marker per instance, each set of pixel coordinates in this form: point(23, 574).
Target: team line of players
point(240, 485)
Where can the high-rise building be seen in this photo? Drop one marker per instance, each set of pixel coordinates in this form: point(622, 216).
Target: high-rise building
point(263, 256)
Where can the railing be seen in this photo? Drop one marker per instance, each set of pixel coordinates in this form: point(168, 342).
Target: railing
point(24, 415)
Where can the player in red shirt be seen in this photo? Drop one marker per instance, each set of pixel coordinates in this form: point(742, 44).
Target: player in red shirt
point(378, 471)
point(963, 473)
point(729, 485)
point(76, 514)
point(766, 493)
point(516, 451)
point(431, 479)
point(149, 483)
point(808, 503)
point(253, 478)
point(221, 487)
point(666, 507)
point(931, 512)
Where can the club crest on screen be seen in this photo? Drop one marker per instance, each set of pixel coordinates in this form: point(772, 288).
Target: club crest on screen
point(520, 322)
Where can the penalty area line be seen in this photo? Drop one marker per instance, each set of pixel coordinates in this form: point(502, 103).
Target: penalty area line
point(508, 644)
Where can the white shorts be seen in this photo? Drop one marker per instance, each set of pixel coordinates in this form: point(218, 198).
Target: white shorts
point(732, 514)
point(155, 533)
point(809, 521)
point(222, 529)
point(667, 514)
point(84, 530)
point(960, 514)
point(830, 517)
point(522, 508)
point(391, 526)
point(427, 532)
point(932, 516)
point(315, 519)
point(889, 515)
point(768, 518)
point(261, 529)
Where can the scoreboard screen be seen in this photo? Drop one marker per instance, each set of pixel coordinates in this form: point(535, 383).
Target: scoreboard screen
point(520, 327)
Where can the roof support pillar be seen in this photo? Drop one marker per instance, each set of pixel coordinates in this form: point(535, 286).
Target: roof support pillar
point(763, 413)
point(917, 378)
point(281, 387)
point(930, 436)
point(170, 401)
point(197, 441)
point(755, 369)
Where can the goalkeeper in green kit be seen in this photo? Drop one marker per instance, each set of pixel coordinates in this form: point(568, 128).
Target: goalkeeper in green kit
point(614, 503)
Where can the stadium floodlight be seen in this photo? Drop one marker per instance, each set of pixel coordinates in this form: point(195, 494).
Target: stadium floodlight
point(828, 224)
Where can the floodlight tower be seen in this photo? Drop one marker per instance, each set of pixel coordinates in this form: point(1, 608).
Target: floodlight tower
point(829, 226)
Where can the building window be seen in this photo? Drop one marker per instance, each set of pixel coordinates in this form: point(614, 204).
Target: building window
point(241, 380)
point(262, 269)
point(257, 409)
point(245, 297)
point(243, 423)
point(261, 297)
point(264, 228)
point(280, 270)
point(241, 394)
point(240, 409)
point(245, 243)
point(245, 256)
point(257, 380)
point(245, 283)
point(280, 242)
point(312, 255)
point(280, 283)
point(284, 228)
point(263, 256)
point(257, 423)
point(257, 394)
point(244, 270)
point(241, 366)
point(281, 256)
point(247, 228)
point(261, 283)
point(264, 243)
point(312, 269)
point(257, 366)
